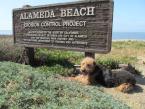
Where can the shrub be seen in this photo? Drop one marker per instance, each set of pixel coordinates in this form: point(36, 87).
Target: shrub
point(108, 62)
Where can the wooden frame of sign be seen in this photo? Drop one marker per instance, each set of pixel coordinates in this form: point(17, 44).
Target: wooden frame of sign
point(84, 26)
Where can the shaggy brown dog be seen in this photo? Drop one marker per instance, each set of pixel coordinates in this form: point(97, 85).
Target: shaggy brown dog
point(91, 73)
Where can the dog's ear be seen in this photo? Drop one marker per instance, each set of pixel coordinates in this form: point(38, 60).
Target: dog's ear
point(94, 63)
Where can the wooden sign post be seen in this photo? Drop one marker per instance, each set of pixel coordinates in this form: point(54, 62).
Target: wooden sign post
point(30, 54)
point(84, 26)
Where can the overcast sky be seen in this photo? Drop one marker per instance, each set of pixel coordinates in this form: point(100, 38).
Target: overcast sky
point(129, 15)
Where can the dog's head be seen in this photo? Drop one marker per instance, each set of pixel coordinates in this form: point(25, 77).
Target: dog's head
point(88, 65)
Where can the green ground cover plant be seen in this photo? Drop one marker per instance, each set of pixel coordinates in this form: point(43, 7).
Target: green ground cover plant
point(24, 87)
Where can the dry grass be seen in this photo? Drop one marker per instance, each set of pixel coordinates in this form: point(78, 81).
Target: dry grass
point(125, 51)
point(6, 41)
point(9, 52)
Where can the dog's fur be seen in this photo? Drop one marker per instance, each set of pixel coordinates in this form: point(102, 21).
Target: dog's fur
point(91, 73)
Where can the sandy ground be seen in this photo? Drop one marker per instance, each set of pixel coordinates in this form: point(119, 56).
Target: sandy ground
point(135, 99)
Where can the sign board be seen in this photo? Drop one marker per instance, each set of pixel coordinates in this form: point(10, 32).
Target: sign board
point(80, 26)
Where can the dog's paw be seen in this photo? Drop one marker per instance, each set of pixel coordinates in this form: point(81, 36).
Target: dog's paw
point(84, 79)
point(125, 87)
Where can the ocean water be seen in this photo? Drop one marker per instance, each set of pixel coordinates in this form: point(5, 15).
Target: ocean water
point(115, 35)
point(5, 32)
point(128, 36)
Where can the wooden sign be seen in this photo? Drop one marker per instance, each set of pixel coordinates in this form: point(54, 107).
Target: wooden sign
point(80, 26)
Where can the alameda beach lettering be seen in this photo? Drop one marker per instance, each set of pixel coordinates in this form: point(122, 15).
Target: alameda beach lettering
point(69, 12)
